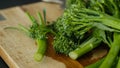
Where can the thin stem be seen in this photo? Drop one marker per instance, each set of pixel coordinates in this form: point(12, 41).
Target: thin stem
point(44, 14)
point(115, 47)
point(96, 64)
point(84, 48)
point(41, 49)
point(40, 18)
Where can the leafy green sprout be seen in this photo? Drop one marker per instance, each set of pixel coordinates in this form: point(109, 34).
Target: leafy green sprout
point(37, 31)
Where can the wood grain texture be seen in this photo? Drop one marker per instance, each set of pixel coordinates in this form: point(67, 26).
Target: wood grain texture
point(53, 11)
point(17, 49)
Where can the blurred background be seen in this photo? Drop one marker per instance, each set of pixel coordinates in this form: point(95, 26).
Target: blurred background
point(10, 3)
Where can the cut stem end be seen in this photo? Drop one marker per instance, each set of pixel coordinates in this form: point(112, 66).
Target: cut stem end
point(73, 55)
point(38, 57)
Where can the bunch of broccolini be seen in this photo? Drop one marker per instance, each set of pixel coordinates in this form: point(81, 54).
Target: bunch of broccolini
point(82, 27)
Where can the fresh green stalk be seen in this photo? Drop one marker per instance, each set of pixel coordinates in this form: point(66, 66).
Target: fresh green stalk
point(85, 15)
point(40, 18)
point(116, 9)
point(21, 28)
point(41, 43)
point(33, 20)
point(101, 6)
point(84, 48)
point(96, 64)
point(114, 50)
point(111, 22)
point(118, 64)
point(38, 32)
point(41, 40)
point(44, 14)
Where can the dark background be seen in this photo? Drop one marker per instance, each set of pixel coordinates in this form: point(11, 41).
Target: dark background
point(10, 3)
point(3, 64)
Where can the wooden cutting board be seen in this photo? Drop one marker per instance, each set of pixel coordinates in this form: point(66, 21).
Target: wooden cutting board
point(17, 49)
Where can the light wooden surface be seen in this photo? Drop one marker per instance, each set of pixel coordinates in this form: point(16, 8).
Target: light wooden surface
point(53, 11)
point(17, 49)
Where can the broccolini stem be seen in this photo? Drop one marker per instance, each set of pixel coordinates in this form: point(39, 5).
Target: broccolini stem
point(40, 18)
point(84, 48)
point(41, 43)
point(118, 64)
point(84, 15)
point(116, 11)
point(114, 50)
point(33, 20)
point(44, 14)
point(110, 21)
point(96, 64)
point(101, 6)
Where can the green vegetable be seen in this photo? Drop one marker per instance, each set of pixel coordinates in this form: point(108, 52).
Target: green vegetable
point(69, 3)
point(75, 24)
point(63, 44)
point(69, 33)
point(96, 64)
point(42, 45)
point(37, 31)
point(118, 64)
point(84, 48)
point(99, 19)
point(107, 6)
point(81, 3)
point(114, 50)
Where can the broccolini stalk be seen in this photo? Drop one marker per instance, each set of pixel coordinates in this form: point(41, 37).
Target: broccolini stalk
point(110, 7)
point(92, 16)
point(96, 5)
point(70, 32)
point(89, 16)
point(115, 8)
point(115, 45)
point(114, 50)
point(96, 64)
point(37, 31)
point(87, 46)
point(76, 23)
point(102, 15)
point(42, 45)
point(118, 64)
